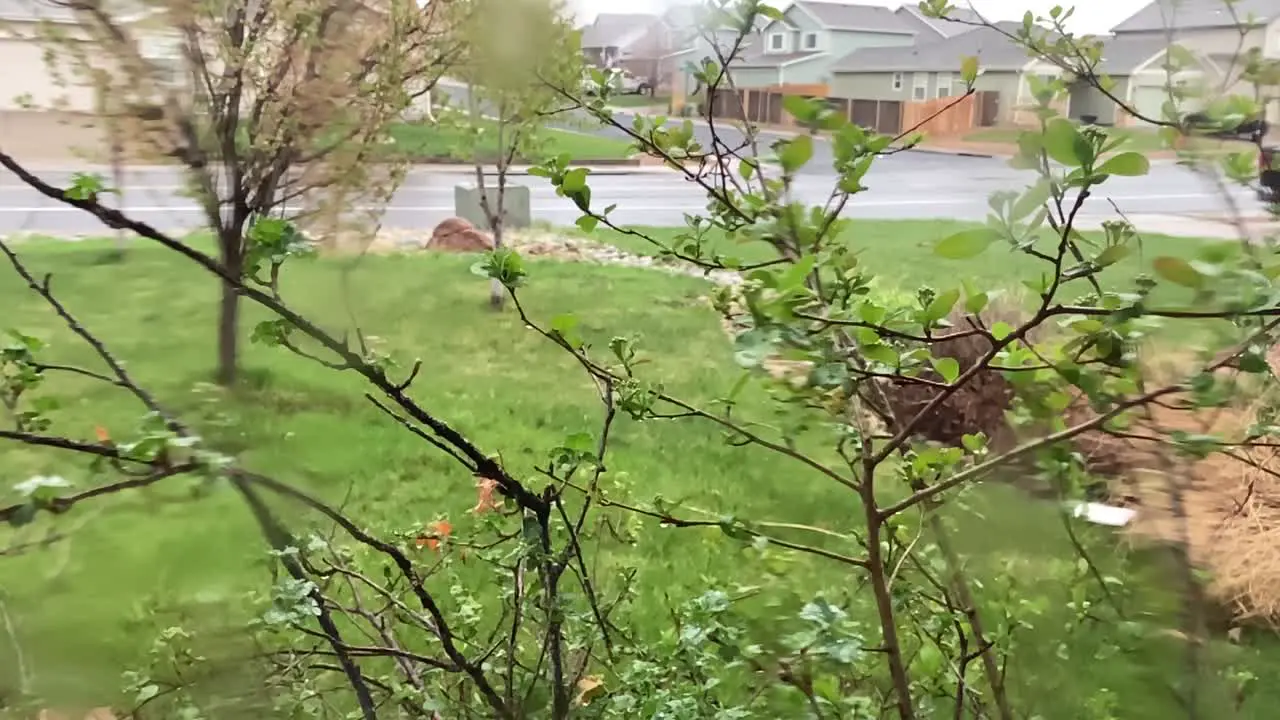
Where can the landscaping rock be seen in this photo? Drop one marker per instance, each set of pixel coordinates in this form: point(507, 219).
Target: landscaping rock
point(458, 235)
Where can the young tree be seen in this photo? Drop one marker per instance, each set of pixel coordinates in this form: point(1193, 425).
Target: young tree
point(515, 82)
point(277, 107)
point(902, 401)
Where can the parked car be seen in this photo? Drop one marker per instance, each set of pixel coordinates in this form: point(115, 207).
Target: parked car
point(1268, 174)
point(622, 82)
point(629, 84)
point(1252, 129)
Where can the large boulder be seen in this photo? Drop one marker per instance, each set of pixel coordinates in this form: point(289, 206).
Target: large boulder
point(458, 235)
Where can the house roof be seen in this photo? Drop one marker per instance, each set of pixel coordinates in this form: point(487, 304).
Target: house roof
point(994, 52)
point(844, 16)
point(612, 29)
point(943, 28)
point(756, 59)
point(1123, 55)
point(1187, 14)
point(35, 11)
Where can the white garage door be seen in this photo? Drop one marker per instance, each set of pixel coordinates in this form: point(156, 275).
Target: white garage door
point(26, 75)
point(1149, 101)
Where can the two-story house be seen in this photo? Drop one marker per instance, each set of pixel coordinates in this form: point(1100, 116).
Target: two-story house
point(629, 41)
point(1216, 31)
point(800, 48)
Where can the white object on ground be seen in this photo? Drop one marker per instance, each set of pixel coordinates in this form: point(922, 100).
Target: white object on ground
point(1100, 514)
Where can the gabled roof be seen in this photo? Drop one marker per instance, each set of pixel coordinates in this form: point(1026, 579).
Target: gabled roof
point(854, 18)
point(1194, 14)
point(993, 50)
point(942, 28)
point(613, 29)
point(757, 59)
point(1121, 55)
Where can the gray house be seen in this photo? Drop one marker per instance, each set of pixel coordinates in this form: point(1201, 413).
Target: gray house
point(1142, 76)
point(961, 20)
point(802, 47)
point(1208, 28)
point(931, 70)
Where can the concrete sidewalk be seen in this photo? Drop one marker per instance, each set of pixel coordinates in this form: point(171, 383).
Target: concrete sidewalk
point(1255, 227)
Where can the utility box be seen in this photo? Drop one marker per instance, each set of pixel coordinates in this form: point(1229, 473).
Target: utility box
point(515, 205)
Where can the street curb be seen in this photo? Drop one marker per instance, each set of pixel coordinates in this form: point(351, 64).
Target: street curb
point(957, 153)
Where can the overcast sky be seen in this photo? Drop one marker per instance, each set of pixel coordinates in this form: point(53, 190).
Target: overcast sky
point(1090, 15)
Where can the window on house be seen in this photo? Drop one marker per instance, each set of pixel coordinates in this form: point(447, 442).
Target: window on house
point(811, 41)
point(777, 41)
point(897, 81)
point(943, 86)
point(920, 87)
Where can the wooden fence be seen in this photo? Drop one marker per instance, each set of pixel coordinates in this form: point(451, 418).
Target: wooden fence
point(948, 116)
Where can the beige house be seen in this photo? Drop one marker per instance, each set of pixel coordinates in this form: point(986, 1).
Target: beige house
point(49, 104)
point(1214, 31)
point(30, 81)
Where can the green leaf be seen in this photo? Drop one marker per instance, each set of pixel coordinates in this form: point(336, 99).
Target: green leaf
point(1127, 164)
point(23, 515)
point(966, 244)
point(145, 693)
point(795, 153)
point(800, 108)
point(976, 303)
point(1001, 330)
point(948, 368)
point(1179, 271)
point(1064, 143)
point(1112, 255)
point(942, 305)
point(1032, 200)
point(769, 11)
point(752, 348)
point(969, 69)
point(588, 223)
point(1253, 361)
point(882, 354)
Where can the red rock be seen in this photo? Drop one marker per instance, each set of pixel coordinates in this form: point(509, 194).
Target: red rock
point(458, 235)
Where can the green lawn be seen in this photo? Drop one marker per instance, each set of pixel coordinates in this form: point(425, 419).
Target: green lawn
point(77, 606)
point(1142, 140)
point(901, 252)
point(424, 142)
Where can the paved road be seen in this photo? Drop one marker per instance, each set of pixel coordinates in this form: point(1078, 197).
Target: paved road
point(908, 185)
point(901, 187)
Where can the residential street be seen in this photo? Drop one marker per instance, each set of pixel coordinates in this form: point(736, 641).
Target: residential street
point(904, 186)
point(907, 185)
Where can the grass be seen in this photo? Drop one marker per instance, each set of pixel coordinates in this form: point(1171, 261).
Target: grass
point(76, 605)
point(1141, 140)
point(425, 142)
point(901, 252)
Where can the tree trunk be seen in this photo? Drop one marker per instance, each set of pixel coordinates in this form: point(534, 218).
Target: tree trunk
point(497, 293)
point(229, 316)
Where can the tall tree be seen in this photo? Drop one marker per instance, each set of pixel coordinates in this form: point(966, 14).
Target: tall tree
point(272, 107)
